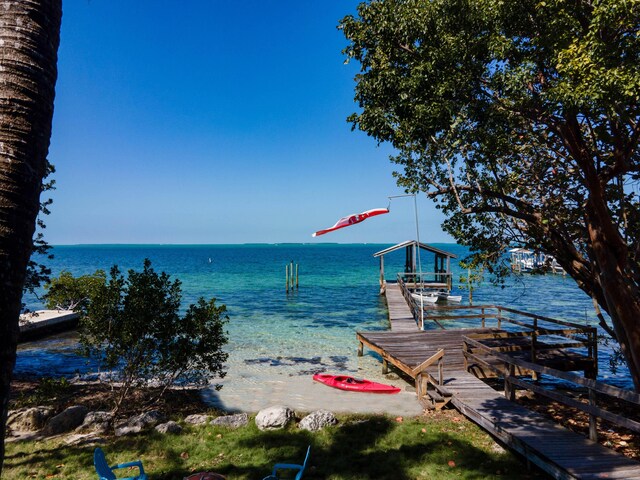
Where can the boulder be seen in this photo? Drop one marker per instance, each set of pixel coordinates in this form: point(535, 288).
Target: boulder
point(318, 420)
point(67, 420)
point(197, 419)
point(137, 423)
point(84, 439)
point(273, 418)
point(29, 419)
point(96, 422)
point(231, 421)
point(169, 427)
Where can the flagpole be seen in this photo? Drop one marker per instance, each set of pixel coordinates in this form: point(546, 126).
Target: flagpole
point(415, 207)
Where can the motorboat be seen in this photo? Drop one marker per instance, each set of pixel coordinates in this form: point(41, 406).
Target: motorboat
point(445, 296)
point(426, 296)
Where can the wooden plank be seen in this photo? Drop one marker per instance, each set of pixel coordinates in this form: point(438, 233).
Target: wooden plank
point(556, 450)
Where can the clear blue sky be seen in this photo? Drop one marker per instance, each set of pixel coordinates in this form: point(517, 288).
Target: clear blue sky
point(214, 122)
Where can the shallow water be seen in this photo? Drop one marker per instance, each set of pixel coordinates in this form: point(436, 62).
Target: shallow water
point(296, 334)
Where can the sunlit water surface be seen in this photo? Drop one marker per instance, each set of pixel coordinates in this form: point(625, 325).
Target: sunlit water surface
point(272, 333)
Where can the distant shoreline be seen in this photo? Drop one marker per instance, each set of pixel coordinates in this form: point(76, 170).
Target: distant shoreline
point(258, 244)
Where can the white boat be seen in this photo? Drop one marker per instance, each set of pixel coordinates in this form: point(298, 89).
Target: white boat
point(446, 297)
point(426, 297)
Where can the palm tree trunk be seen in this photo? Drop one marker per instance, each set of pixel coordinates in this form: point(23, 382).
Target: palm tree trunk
point(29, 39)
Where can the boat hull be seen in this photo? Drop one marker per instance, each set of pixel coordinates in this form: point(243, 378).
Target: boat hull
point(351, 384)
point(430, 298)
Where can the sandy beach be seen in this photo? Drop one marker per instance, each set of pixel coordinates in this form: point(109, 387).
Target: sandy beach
point(302, 394)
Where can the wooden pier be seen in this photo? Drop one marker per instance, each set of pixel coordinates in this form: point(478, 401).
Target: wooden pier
point(41, 323)
point(400, 315)
point(441, 362)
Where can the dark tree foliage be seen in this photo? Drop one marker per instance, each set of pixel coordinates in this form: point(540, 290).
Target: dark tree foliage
point(521, 120)
point(37, 272)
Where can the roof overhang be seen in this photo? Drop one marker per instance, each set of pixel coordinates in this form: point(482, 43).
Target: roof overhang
point(409, 243)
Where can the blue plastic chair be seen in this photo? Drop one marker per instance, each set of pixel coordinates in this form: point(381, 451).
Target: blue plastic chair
point(105, 472)
point(289, 466)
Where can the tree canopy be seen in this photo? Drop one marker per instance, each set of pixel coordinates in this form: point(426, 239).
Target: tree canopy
point(521, 120)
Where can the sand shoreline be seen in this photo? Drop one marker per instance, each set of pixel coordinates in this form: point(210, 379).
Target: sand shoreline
point(301, 393)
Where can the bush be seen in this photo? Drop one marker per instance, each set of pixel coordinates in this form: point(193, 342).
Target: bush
point(73, 293)
point(133, 329)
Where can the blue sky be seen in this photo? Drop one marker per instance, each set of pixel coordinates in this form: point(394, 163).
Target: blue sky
point(214, 122)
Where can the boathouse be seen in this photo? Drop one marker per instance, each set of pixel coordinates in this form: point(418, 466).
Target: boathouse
point(436, 265)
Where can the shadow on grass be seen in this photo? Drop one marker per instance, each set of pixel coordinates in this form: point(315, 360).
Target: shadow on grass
point(364, 449)
point(357, 451)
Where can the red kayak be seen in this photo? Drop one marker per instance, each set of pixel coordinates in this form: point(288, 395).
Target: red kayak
point(345, 382)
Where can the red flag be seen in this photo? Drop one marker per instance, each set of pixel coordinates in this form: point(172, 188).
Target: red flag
point(352, 220)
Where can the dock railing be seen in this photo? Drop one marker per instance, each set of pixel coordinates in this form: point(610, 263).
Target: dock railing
point(435, 280)
point(413, 281)
point(518, 330)
point(475, 351)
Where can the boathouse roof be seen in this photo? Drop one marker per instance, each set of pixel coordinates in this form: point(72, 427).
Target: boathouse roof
point(409, 243)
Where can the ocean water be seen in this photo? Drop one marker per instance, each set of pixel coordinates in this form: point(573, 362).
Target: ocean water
point(306, 331)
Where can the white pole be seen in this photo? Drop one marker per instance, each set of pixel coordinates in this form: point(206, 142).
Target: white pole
point(415, 204)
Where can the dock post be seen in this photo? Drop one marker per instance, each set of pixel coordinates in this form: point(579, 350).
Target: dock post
point(297, 264)
point(593, 420)
point(360, 349)
point(534, 345)
point(509, 391)
point(286, 277)
point(385, 366)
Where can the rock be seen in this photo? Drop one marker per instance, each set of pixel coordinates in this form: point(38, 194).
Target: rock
point(138, 423)
point(96, 422)
point(231, 421)
point(197, 419)
point(84, 439)
point(29, 419)
point(318, 420)
point(66, 420)
point(169, 427)
point(273, 418)
point(125, 429)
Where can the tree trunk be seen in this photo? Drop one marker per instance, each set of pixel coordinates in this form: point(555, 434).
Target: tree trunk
point(618, 288)
point(29, 39)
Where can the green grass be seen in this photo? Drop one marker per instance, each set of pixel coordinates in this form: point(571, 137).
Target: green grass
point(440, 446)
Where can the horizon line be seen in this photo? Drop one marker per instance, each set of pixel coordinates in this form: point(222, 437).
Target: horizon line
point(220, 244)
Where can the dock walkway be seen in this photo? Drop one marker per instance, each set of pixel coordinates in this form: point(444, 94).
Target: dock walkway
point(556, 450)
point(400, 315)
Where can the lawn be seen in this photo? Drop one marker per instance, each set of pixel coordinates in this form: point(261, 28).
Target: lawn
point(437, 446)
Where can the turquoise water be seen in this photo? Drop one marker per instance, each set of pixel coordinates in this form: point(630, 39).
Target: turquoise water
point(310, 330)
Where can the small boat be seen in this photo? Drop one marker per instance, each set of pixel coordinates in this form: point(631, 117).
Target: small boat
point(427, 296)
point(351, 384)
point(445, 296)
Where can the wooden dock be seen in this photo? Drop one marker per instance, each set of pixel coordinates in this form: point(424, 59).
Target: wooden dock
point(41, 323)
point(437, 361)
point(400, 316)
point(553, 448)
